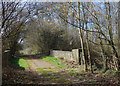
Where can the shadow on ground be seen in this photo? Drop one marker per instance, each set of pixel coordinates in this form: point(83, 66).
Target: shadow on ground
point(47, 76)
point(17, 76)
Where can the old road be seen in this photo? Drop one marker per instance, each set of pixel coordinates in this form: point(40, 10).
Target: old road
point(38, 63)
point(57, 76)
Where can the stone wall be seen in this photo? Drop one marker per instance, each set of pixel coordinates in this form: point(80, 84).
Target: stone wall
point(75, 55)
point(67, 55)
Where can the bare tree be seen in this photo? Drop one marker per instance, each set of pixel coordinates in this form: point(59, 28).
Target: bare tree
point(13, 19)
point(81, 36)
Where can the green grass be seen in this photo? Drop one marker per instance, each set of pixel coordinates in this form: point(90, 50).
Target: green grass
point(51, 77)
point(71, 73)
point(60, 80)
point(19, 81)
point(19, 62)
point(53, 60)
point(42, 70)
point(111, 72)
point(80, 77)
point(23, 51)
point(90, 81)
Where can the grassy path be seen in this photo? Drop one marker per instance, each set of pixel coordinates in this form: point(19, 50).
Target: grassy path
point(49, 71)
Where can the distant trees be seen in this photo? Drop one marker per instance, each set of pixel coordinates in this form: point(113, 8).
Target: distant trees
point(43, 36)
point(49, 30)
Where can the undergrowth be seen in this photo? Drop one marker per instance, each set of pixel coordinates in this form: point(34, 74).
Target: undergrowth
point(19, 62)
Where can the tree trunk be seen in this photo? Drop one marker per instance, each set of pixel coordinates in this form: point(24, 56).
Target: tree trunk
point(103, 55)
point(81, 38)
point(88, 49)
point(85, 18)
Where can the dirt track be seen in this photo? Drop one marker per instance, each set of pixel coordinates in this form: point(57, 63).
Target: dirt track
point(38, 63)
